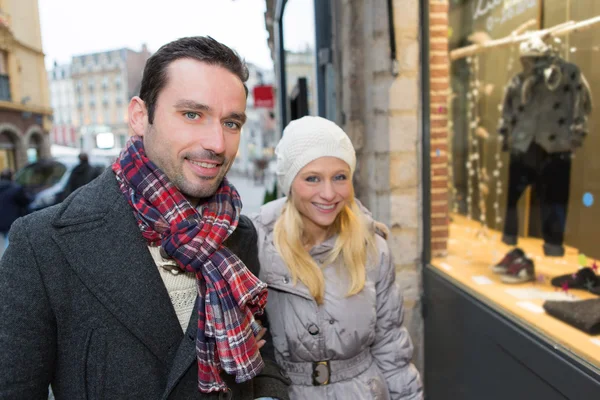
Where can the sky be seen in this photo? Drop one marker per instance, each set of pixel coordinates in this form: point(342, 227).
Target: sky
point(73, 27)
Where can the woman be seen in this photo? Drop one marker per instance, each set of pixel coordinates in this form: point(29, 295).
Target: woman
point(334, 310)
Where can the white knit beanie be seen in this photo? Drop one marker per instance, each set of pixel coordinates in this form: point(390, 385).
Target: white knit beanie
point(306, 139)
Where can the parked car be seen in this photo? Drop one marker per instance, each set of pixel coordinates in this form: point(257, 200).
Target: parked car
point(45, 181)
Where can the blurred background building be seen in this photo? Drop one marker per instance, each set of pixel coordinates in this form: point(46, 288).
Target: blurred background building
point(300, 67)
point(90, 97)
point(259, 136)
point(62, 98)
point(25, 113)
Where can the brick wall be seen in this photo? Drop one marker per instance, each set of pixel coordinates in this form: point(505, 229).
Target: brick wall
point(440, 88)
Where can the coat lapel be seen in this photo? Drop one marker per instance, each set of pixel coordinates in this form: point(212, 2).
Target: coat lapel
point(185, 355)
point(98, 234)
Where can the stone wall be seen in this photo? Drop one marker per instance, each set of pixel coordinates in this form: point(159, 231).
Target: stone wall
point(381, 113)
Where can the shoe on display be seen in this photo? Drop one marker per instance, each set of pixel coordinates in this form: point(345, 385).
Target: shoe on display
point(585, 278)
point(594, 289)
point(511, 256)
point(519, 271)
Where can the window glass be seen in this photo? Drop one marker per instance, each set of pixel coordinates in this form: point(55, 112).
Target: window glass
point(40, 175)
point(523, 177)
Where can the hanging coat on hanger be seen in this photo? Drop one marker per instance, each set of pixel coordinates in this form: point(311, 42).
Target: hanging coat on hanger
point(547, 103)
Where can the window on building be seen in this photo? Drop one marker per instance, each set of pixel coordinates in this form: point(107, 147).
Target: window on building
point(4, 78)
point(33, 148)
point(7, 151)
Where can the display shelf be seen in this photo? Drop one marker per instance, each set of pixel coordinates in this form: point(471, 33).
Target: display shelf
point(472, 252)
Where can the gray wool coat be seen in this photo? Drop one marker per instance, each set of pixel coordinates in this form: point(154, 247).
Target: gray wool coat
point(361, 337)
point(83, 307)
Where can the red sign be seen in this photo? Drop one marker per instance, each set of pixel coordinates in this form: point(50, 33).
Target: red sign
point(264, 96)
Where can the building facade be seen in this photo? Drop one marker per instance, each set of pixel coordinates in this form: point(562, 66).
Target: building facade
point(258, 137)
point(25, 113)
point(103, 83)
point(301, 64)
point(62, 98)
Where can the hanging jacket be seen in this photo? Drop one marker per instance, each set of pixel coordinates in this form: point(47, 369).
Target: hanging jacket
point(360, 338)
point(547, 103)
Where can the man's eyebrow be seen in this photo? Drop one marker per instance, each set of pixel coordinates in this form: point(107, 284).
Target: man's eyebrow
point(192, 105)
point(239, 116)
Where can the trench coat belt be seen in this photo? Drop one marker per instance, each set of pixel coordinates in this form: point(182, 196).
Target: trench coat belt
point(301, 373)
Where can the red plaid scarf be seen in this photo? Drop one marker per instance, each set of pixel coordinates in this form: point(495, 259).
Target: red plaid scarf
point(232, 295)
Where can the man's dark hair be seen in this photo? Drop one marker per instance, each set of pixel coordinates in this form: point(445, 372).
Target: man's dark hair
point(83, 157)
point(201, 48)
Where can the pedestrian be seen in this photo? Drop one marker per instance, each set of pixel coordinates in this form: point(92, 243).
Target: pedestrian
point(334, 308)
point(13, 203)
point(82, 174)
point(142, 284)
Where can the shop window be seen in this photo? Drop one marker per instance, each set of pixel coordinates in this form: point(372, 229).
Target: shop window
point(515, 172)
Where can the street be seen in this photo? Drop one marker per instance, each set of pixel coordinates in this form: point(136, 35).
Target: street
point(252, 194)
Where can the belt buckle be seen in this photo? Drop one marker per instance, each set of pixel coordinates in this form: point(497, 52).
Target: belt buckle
point(321, 373)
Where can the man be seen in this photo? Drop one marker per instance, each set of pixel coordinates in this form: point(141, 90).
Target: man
point(81, 175)
point(13, 202)
point(97, 292)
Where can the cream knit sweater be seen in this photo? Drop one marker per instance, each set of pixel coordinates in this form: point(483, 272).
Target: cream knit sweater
point(181, 287)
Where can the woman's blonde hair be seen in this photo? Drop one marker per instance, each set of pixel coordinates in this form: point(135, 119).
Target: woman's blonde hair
point(354, 242)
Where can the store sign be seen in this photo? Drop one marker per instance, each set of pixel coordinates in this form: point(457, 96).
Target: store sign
point(498, 12)
point(264, 96)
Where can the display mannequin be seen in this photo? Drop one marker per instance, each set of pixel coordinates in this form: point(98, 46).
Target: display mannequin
point(544, 119)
